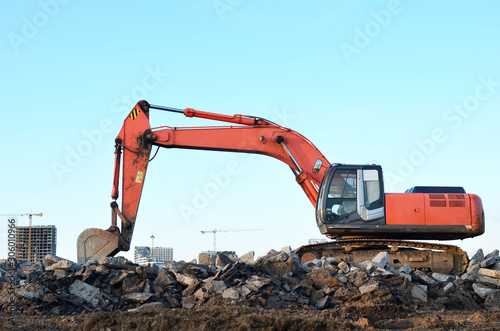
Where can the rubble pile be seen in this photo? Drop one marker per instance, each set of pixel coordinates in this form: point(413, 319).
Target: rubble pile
point(278, 280)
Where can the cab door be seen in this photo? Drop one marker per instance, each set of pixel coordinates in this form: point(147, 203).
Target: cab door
point(370, 199)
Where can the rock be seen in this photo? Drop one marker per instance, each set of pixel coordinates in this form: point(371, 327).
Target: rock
point(288, 250)
point(49, 298)
point(188, 302)
point(369, 288)
point(64, 265)
point(163, 279)
point(381, 259)
point(489, 273)
point(344, 294)
point(230, 293)
point(32, 292)
point(405, 269)
point(419, 294)
point(199, 294)
point(222, 260)
point(344, 267)
point(191, 288)
point(423, 278)
point(490, 261)
point(489, 280)
point(217, 286)
point(85, 291)
point(496, 267)
point(334, 282)
point(381, 272)
point(117, 263)
point(481, 290)
point(60, 273)
point(137, 297)
point(478, 257)
point(278, 257)
point(367, 265)
point(257, 281)
point(147, 272)
point(117, 280)
point(244, 291)
point(149, 305)
point(472, 273)
point(493, 300)
point(248, 258)
point(492, 254)
point(449, 287)
point(442, 277)
point(320, 277)
point(51, 259)
point(185, 279)
point(26, 270)
point(322, 303)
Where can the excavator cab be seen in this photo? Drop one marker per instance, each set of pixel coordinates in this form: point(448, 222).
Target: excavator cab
point(350, 196)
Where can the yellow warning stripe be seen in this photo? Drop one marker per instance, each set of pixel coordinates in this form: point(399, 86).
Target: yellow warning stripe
point(134, 113)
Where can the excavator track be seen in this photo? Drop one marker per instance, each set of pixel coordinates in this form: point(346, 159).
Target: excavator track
point(446, 259)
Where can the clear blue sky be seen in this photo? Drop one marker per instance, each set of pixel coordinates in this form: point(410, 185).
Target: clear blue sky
point(411, 85)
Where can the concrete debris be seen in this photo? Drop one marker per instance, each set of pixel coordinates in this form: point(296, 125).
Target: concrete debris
point(85, 291)
point(381, 259)
point(277, 280)
point(248, 258)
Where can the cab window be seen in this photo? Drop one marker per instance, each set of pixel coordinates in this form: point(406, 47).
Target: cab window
point(371, 189)
point(342, 192)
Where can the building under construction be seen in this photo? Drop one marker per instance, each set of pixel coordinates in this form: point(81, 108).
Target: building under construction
point(43, 242)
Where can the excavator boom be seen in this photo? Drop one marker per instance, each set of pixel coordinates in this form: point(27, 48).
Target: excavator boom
point(133, 149)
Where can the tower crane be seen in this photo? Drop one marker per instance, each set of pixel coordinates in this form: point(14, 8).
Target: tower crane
point(30, 215)
point(228, 230)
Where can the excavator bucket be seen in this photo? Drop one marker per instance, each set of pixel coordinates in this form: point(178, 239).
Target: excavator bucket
point(94, 244)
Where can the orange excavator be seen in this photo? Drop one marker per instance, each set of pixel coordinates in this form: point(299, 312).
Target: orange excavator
point(351, 204)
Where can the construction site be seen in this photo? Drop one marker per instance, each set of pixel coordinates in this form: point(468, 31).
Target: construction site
point(275, 292)
point(383, 263)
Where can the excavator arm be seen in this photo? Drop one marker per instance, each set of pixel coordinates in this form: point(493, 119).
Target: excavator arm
point(133, 148)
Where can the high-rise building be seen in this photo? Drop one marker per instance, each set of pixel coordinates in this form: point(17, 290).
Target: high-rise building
point(157, 254)
point(43, 242)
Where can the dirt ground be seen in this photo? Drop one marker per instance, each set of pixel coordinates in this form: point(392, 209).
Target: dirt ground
point(386, 317)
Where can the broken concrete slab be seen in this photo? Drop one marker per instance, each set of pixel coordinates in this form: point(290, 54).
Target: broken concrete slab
point(493, 300)
point(443, 278)
point(230, 293)
point(89, 293)
point(368, 288)
point(481, 290)
point(381, 259)
point(419, 294)
point(478, 257)
point(185, 279)
point(248, 258)
point(489, 273)
point(222, 260)
point(137, 297)
point(344, 267)
point(423, 278)
point(492, 254)
point(490, 261)
point(117, 263)
point(489, 281)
